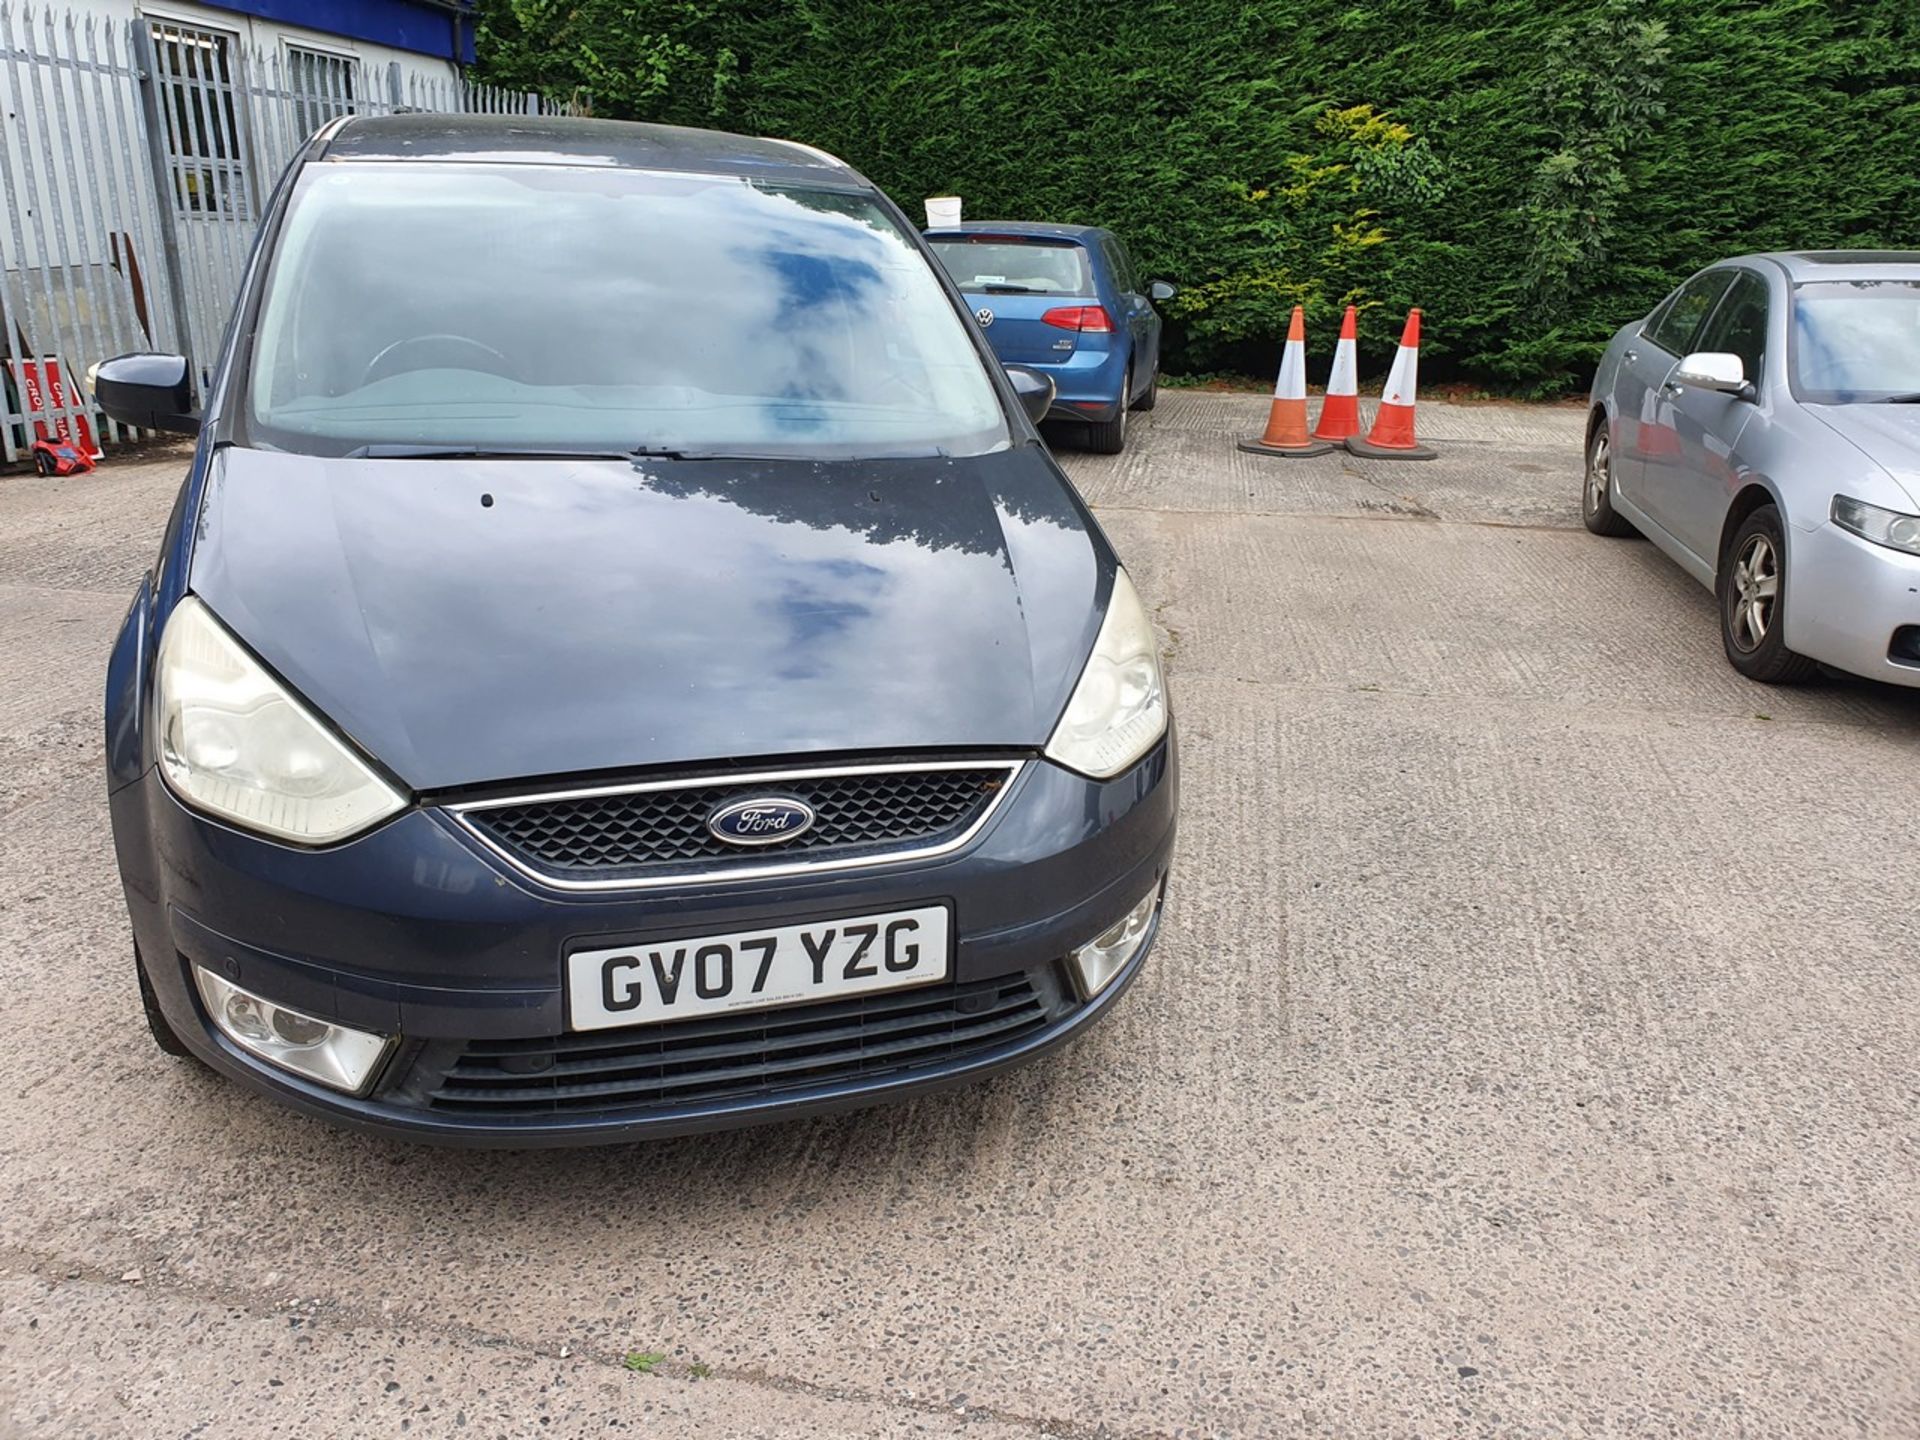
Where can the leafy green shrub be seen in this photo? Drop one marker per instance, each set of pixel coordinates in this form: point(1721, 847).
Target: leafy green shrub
point(1532, 173)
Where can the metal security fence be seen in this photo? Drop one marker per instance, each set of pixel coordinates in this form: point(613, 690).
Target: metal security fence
point(135, 160)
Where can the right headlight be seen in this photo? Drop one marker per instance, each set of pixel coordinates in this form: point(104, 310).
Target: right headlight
point(1884, 527)
point(1119, 708)
point(234, 743)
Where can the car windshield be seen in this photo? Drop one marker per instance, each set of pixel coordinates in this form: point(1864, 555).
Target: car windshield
point(1856, 341)
point(527, 307)
point(986, 264)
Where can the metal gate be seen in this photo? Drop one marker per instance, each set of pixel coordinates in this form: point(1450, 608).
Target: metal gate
point(135, 159)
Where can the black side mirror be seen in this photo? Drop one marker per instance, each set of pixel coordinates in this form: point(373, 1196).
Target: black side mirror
point(1161, 290)
point(151, 392)
point(1034, 389)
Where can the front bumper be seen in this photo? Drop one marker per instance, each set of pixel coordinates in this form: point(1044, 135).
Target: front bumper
point(1848, 600)
point(418, 930)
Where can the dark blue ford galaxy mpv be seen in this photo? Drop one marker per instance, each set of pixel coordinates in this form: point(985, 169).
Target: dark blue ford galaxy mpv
point(621, 661)
point(1064, 300)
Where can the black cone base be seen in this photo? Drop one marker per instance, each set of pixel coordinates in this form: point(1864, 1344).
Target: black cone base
point(1290, 452)
point(1359, 446)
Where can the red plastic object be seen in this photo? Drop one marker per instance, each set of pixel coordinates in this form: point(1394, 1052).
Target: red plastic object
point(57, 457)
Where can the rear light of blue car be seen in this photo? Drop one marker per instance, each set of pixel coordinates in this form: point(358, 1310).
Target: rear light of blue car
point(1079, 317)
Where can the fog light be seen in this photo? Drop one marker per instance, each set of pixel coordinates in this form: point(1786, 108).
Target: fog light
point(1106, 955)
point(332, 1054)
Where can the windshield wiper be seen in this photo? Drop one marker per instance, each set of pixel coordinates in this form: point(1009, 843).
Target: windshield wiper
point(673, 452)
point(638, 452)
point(815, 457)
point(680, 454)
point(1913, 399)
point(475, 452)
point(1011, 290)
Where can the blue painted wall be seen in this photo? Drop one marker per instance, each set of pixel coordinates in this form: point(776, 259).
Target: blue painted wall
point(443, 28)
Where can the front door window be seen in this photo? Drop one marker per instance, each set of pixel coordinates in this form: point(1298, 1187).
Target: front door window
point(1674, 327)
point(1739, 326)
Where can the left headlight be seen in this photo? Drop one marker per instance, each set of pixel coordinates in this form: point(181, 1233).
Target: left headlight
point(1119, 708)
point(1884, 527)
point(235, 743)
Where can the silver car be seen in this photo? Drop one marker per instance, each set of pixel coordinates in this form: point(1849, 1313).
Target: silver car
point(1762, 427)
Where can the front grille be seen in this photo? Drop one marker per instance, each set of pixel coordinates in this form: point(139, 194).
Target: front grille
point(663, 831)
point(735, 1057)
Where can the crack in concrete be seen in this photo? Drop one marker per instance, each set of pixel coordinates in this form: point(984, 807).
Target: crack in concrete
point(1395, 498)
point(1424, 517)
point(345, 1315)
point(1532, 702)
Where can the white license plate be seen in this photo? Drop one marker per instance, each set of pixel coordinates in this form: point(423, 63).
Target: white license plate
point(756, 969)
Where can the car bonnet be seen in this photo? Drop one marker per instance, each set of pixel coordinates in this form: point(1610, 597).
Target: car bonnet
point(480, 621)
point(1889, 435)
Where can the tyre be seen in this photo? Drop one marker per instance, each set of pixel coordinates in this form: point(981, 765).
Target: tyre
point(1752, 590)
point(163, 1033)
point(1152, 396)
point(1596, 494)
point(43, 465)
point(1109, 437)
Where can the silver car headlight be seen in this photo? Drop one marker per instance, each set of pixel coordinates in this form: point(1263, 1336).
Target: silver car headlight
point(233, 742)
point(1884, 527)
point(1119, 708)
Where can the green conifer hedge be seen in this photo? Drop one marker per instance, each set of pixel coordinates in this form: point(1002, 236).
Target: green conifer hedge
point(1532, 173)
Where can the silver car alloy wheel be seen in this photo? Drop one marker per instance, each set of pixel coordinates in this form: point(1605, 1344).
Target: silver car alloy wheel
point(1755, 594)
point(1599, 460)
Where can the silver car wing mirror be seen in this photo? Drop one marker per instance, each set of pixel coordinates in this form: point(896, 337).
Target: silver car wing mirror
point(1714, 370)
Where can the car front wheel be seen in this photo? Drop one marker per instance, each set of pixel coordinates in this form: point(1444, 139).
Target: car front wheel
point(1752, 589)
point(158, 1025)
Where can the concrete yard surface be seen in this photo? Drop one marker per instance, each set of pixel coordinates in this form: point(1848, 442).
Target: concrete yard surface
point(1530, 1049)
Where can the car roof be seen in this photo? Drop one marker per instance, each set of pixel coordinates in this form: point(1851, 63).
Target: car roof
point(1805, 265)
point(1079, 234)
point(564, 140)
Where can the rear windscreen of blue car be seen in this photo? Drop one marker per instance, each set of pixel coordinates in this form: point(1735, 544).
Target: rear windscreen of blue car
point(1015, 267)
point(548, 307)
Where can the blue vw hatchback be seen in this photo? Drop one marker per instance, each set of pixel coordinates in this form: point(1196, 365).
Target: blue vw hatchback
point(1064, 300)
point(622, 660)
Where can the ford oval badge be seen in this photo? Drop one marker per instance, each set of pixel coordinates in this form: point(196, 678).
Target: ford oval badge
point(764, 820)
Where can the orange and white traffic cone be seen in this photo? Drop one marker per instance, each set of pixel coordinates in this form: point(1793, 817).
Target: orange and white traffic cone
point(1286, 432)
point(1392, 435)
point(1340, 411)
